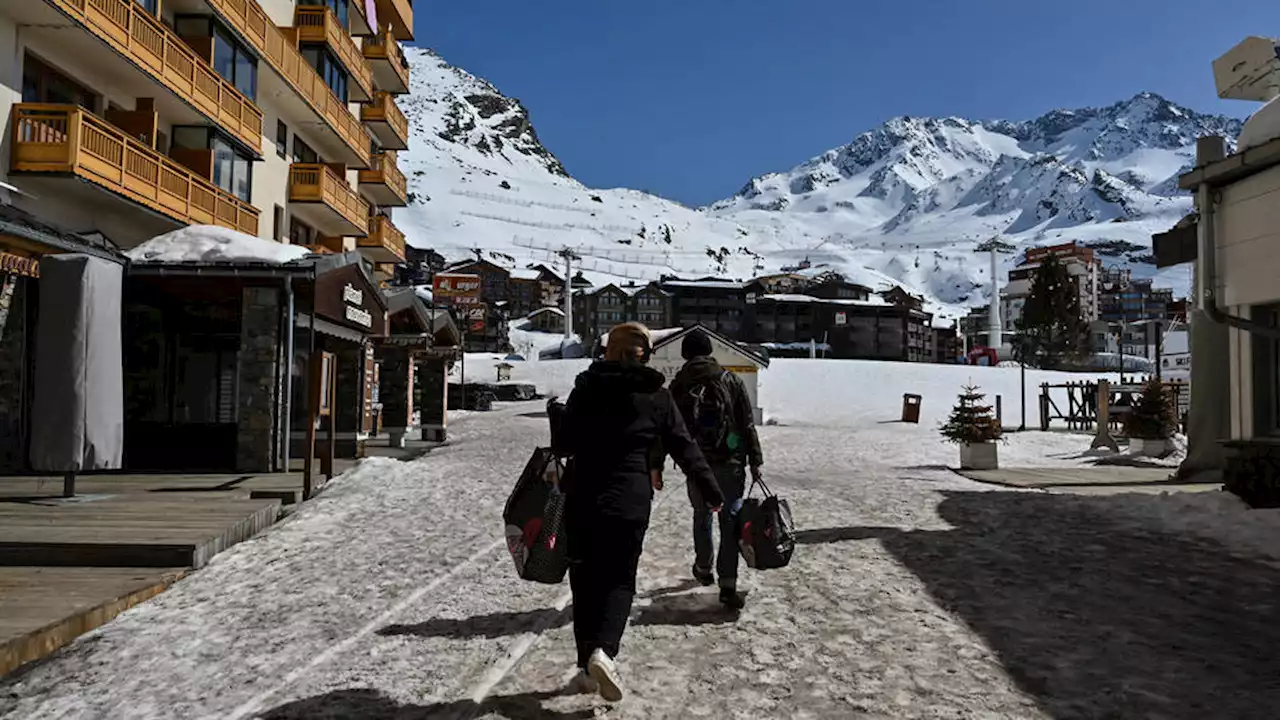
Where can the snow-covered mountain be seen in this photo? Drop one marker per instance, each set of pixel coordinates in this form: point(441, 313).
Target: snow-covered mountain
point(903, 203)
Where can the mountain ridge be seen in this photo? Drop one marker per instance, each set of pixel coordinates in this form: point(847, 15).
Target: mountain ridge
point(903, 203)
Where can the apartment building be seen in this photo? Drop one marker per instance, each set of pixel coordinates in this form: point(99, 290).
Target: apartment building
point(127, 119)
point(272, 117)
point(1082, 265)
point(716, 304)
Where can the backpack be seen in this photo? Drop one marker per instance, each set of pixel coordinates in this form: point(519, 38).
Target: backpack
point(711, 416)
point(766, 533)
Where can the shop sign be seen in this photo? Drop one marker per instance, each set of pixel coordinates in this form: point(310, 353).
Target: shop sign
point(11, 264)
point(421, 341)
point(842, 318)
point(354, 310)
point(474, 317)
point(454, 285)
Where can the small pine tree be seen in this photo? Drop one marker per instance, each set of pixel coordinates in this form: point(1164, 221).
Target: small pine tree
point(971, 421)
point(1154, 417)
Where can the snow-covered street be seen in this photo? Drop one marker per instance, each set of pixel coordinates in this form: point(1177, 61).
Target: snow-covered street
point(915, 594)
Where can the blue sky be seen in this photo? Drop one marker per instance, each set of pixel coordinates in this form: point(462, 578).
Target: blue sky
point(690, 99)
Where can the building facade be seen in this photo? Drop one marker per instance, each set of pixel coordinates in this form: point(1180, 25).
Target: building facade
point(715, 304)
point(596, 310)
point(1082, 265)
point(128, 119)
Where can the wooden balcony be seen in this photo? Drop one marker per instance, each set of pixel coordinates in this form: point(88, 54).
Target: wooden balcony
point(325, 201)
point(385, 242)
point(160, 53)
point(390, 69)
point(398, 15)
point(383, 183)
point(67, 140)
point(281, 54)
point(327, 245)
point(386, 122)
point(319, 25)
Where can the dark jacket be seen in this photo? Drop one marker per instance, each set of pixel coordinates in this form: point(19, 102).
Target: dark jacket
point(743, 422)
point(615, 416)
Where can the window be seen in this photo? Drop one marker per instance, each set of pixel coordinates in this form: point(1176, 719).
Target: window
point(148, 5)
point(43, 84)
point(330, 70)
point(282, 138)
point(234, 62)
point(341, 8)
point(300, 233)
point(232, 170)
point(277, 223)
point(302, 152)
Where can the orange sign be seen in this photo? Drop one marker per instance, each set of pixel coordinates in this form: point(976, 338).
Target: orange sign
point(452, 285)
point(18, 265)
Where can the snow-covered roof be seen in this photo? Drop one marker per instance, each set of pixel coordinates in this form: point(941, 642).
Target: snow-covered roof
point(783, 297)
point(424, 292)
point(519, 274)
point(1261, 127)
point(214, 244)
point(553, 311)
point(796, 346)
point(716, 284)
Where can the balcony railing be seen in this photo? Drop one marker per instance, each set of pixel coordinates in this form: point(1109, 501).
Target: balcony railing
point(143, 39)
point(68, 140)
point(249, 19)
point(383, 113)
point(391, 70)
point(316, 183)
point(318, 24)
point(384, 175)
point(385, 242)
point(398, 15)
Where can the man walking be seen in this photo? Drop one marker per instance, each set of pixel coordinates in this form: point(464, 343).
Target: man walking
point(718, 413)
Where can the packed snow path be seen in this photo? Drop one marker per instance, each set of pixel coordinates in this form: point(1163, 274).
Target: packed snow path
point(915, 594)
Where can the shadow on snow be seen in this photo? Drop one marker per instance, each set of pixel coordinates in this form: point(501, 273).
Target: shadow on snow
point(366, 704)
point(1094, 617)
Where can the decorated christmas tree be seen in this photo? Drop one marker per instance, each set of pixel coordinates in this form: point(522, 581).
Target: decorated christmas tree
point(1153, 417)
point(971, 420)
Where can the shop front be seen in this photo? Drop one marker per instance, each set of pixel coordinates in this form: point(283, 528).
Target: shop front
point(423, 338)
point(346, 313)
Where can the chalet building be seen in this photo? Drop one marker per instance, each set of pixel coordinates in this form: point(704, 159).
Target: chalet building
point(716, 304)
point(547, 320)
point(596, 310)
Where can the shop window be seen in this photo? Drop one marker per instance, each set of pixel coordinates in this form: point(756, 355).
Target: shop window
point(330, 70)
point(1266, 374)
point(42, 84)
point(232, 169)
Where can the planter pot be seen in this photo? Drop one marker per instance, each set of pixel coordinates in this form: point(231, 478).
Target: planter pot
point(1150, 447)
point(979, 456)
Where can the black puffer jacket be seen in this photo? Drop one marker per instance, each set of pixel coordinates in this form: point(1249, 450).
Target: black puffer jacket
point(617, 413)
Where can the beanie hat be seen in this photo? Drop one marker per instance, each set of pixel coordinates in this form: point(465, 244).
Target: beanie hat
point(695, 344)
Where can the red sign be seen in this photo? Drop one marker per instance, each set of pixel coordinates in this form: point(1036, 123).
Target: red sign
point(474, 317)
point(455, 285)
point(470, 300)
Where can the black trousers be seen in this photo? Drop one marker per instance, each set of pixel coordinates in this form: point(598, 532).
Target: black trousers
point(604, 554)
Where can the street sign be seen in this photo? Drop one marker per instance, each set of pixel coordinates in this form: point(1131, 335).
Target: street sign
point(455, 285)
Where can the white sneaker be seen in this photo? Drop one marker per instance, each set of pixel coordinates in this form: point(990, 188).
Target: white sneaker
point(582, 684)
point(605, 672)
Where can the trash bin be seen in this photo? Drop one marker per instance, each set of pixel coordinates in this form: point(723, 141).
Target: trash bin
point(910, 408)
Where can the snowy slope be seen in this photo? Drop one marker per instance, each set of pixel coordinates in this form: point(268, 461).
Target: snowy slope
point(905, 203)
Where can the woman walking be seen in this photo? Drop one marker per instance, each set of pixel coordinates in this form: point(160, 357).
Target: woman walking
point(615, 417)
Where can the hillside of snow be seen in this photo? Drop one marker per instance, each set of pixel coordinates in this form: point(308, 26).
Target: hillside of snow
point(905, 203)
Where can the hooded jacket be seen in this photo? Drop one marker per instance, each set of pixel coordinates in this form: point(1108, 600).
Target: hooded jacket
point(706, 369)
point(616, 415)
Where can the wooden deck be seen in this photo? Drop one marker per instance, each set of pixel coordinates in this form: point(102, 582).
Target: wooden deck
point(42, 608)
point(129, 530)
